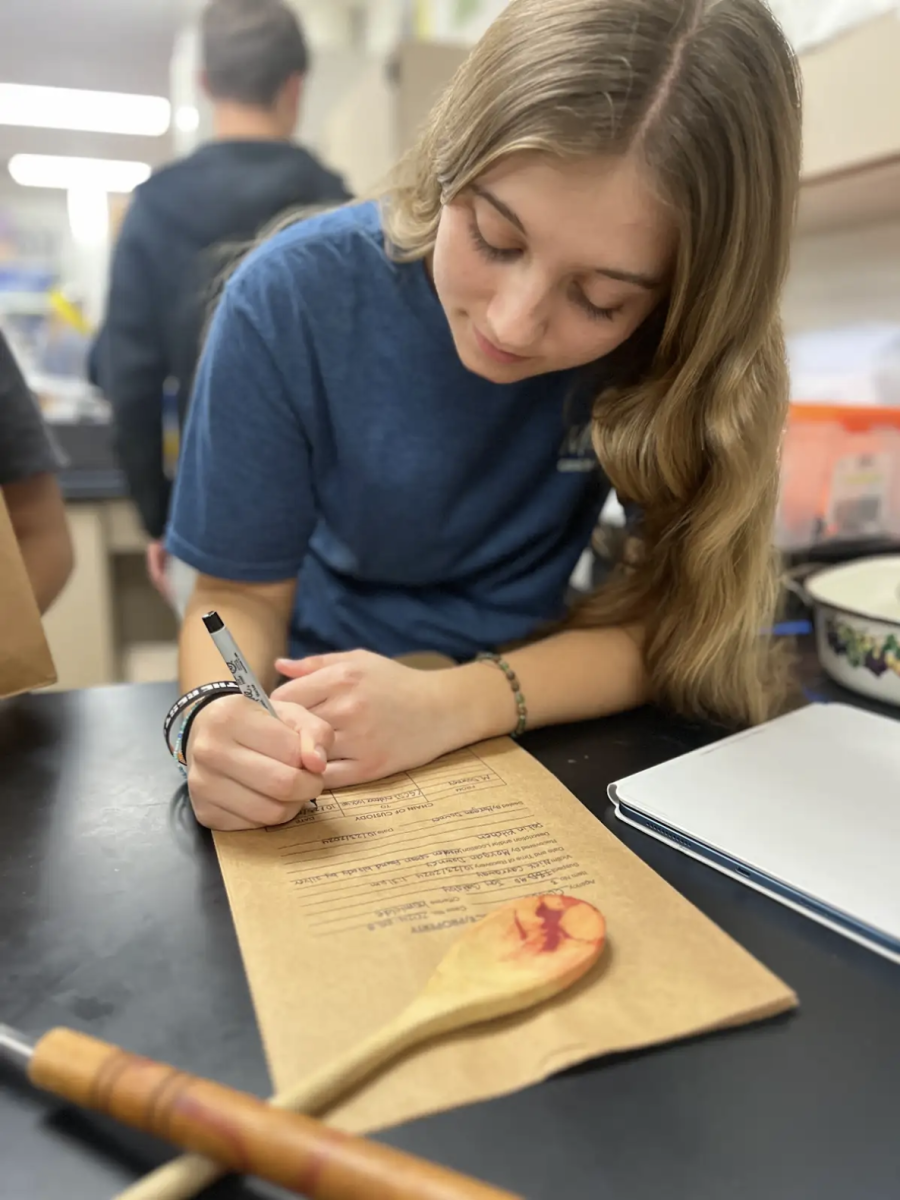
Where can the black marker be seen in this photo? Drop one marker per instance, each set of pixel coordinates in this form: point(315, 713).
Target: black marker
point(240, 671)
point(236, 663)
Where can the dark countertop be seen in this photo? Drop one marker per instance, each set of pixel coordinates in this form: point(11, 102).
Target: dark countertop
point(115, 921)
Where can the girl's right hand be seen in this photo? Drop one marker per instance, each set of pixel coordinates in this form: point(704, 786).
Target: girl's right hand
point(246, 770)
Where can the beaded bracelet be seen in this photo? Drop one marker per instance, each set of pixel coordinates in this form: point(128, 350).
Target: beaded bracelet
point(178, 750)
point(521, 706)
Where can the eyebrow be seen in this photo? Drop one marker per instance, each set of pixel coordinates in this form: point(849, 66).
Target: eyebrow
point(638, 278)
point(501, 208)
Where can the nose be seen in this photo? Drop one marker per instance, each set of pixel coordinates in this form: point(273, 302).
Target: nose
point(517, 316)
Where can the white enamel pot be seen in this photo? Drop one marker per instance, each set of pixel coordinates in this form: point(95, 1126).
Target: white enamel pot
point(857, 617)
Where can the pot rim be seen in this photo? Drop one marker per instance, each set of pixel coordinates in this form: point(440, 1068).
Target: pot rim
point(842, 608)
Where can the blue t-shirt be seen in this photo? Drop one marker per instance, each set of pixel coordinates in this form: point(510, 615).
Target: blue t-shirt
point(335, 433)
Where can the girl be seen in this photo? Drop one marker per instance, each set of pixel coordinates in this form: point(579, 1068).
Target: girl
point(390, 444)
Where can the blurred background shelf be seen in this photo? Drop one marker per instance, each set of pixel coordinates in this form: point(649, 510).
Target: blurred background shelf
point(866, 194)
point(851, 131)
point(851, 99)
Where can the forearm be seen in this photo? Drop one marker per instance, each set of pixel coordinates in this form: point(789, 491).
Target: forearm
point(48, 560)
point(137, 414)
point(572, 676)
point(257, 617)
point(38, 519)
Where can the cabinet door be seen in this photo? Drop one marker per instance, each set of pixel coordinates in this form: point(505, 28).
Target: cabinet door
point(80, 626)
point(852, 99)
point(423, 71)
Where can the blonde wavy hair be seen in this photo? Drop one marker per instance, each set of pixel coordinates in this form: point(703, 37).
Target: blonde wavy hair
point(707, 92)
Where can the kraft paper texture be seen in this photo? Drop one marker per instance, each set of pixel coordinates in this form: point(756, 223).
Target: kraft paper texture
point(343, 915)
point(25, 661)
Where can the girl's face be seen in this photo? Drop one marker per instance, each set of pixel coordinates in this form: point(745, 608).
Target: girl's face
point(545, 264)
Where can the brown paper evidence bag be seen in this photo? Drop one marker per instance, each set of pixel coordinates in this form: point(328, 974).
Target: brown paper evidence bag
point(25, 660)
point(343, 915)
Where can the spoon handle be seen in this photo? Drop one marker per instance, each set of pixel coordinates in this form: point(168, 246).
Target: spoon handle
point(184, 1177)
point(323, 1088)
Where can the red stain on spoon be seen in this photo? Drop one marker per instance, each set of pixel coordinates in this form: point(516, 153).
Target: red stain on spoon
point(550, 925)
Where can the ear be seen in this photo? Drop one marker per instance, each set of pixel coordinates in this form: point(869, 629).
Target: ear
point(293, 92)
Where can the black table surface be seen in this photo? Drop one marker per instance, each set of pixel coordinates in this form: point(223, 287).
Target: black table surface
point(114, 920)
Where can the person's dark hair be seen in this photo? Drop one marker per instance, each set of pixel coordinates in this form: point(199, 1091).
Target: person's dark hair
point(251, 48)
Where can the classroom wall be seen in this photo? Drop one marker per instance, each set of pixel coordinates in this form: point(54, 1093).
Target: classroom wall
point(359, 135)
point(378, 118)
point(334, 74)
point(808, 22)
point(843, 277)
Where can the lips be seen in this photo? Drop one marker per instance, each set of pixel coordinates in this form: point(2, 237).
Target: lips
point(489, 350)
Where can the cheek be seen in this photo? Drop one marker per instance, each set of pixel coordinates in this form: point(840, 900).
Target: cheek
point(441, 260)
point(457, 269)
point(582, 340)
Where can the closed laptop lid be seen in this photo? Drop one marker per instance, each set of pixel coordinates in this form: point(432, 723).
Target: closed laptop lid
point(811, 800)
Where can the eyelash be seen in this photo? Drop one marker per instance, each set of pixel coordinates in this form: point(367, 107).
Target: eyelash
point(495, 254)
point(592, 311)
point(484, 247)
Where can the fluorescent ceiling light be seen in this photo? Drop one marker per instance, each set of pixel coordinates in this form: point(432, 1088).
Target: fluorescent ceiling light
point(88, 216)
point(91, 112)
point(54, 171)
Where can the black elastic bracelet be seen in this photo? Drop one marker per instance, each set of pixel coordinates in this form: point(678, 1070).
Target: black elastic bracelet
point(226, 687)
point(180, 752)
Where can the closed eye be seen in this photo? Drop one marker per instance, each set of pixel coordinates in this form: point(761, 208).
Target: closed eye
point(594, 311)
point(509, 254)
point(487, 249)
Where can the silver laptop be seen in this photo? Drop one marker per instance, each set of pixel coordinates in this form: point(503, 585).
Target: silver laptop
point(805, 809)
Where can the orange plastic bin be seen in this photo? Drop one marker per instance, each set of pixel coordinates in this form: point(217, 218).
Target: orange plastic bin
point(840, 478)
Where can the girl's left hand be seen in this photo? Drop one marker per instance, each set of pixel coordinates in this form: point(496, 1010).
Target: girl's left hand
point(386, 717)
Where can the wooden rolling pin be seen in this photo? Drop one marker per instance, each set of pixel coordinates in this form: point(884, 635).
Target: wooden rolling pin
point(239, 1131)
point(515, 958)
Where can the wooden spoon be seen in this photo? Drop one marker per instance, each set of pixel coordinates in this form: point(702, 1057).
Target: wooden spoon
point(514, 959)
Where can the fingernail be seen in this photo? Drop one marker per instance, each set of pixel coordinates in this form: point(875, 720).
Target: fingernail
point(322, 753)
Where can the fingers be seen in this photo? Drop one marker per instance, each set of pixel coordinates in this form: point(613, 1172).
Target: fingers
point(156, 569)
point(300, 721)
point(212, 817)
point(251, 789)
point(247, 769)
point(344, 772)
point(240, 720)
point(316, 735)
point(300, 668)
point(311, 691)
point(297, 668)
point(315, 757)
point(257, 773)
point(237, 807)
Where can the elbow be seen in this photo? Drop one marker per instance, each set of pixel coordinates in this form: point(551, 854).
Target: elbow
point(38, 518)
point(64, 563)
point(54, 564)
